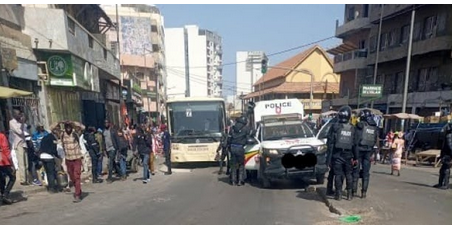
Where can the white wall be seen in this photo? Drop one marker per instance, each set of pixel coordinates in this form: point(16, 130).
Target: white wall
point(175, 57)
point(243, 81)
point(197, 58)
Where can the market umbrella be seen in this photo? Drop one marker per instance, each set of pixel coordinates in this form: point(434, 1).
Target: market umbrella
point(373, 111)
point(6, 92)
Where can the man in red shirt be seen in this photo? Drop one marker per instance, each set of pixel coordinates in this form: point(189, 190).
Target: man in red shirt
point(6, 170)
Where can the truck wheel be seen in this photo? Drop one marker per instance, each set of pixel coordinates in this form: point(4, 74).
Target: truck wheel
point(320, 178)
point(263, 181)
point(134, 165)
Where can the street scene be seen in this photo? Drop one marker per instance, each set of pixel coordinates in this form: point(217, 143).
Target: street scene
point(128, 114)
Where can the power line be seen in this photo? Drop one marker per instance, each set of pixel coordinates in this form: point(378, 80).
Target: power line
point(269, 55)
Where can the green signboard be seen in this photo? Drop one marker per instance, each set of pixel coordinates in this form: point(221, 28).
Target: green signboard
point(371, 90)
point(60, 68)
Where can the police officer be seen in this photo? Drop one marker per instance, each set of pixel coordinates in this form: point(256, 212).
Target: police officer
point(223, 147)
point(365, 140)
point(237, 141)
point(329, 185)
point(446, 159)
point(342, 155)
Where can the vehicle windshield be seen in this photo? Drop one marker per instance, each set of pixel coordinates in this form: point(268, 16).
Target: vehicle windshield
point(196, 118)
point(287, 130)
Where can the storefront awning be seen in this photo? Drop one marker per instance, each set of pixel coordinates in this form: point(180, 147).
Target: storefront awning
point(6, 92)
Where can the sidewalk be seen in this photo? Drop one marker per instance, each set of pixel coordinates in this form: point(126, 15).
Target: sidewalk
point(408, 199)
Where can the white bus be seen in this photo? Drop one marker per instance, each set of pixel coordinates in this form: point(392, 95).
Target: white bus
point(196, 126)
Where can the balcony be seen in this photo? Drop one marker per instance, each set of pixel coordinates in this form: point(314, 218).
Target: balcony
point(352, 26)
point(355, 59)
point(389, 11)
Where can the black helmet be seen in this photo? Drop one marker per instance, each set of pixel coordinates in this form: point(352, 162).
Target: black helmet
point(344, 114)
point(242, 119)
point(365, 115)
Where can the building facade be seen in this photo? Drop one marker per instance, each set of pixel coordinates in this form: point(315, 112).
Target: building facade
point(194, 62)
point(430, 78)
point(141, 37)
point(74, 62)
point(307, 73)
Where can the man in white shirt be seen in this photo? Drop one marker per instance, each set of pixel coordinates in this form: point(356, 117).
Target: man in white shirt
point(17, 143)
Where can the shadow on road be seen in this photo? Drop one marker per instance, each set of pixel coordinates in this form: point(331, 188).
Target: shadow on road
point(311, 195)
point(18, 196)
point(419, 184)
point(194, 165)
point(381, 173)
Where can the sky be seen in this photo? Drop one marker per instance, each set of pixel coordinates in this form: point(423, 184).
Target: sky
point(268, 28)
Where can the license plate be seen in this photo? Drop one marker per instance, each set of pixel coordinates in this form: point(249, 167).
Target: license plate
point(198, 149)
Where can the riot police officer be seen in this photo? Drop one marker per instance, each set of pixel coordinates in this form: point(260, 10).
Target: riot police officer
point(341, 150)
point(223, 147)
point(446, 159)
point(365, 140)
point(329, 185)
point(236, 142)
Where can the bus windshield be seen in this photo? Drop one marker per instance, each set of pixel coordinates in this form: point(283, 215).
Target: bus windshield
point(196, 118)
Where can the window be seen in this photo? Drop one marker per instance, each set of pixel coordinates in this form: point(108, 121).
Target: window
point(392, 38)
point(362, 44)
point(71, 25)
point(154, 28)
point(373, 44)
point(366, 10)
point(383, 41)
point(90, 41)
point(432, 79)
point(429, 27)
point(422, 78)
point(400, 79)
point(404, 34)
point(351, 13)
point(114, 47)
point(155, 48)
point(105, 54)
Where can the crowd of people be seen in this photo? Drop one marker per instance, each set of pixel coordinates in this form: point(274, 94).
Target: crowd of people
point(69, 149)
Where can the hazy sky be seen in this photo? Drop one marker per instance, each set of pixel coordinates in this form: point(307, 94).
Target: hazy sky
point(270, 28)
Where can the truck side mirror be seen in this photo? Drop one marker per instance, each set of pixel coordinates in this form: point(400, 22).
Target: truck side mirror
point(253, 133)
point(251, 141)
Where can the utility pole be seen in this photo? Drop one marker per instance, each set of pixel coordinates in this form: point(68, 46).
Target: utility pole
point(121, 78)
point(377, 56)
point(408, 63)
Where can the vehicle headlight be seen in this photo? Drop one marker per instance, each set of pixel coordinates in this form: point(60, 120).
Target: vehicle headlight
point(321, 148)
point(270, 151)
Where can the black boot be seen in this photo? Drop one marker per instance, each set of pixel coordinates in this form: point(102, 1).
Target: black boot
point(363, 194)
point(349, 195)
point(338, 195)
point(5, 199)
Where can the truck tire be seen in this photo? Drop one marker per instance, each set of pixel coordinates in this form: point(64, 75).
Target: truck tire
point(263, 181)
point(320, 178)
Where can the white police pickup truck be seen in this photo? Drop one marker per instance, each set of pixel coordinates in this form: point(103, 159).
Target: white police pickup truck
point(283, 145)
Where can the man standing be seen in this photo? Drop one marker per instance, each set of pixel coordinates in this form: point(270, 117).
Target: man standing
point(342, 154)
point(446, 159)
point(111, 146)
point(93, 148)
point(6, 170)
point(365, 140)
point(237, 141)
point(100, 160)
point(49, 156)
point(71, 145)
point(17, 142)
point(166, 138)
point(223, 147)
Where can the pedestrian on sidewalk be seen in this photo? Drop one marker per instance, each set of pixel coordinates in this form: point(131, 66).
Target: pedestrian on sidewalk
point(48, 155)
point(111, 146)
point(166, 139)
point(100, 139)
point(32, 157)
point(17, 142)
point(143, 146)
point(396, 160)
point(93, 148)
point(6, 170)
point(122, 153)
point(446, 159)
point(74, 157)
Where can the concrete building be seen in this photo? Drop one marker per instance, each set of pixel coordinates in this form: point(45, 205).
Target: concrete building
point(18, 69)
point(82, 73)
point(248, 70)
point(430, 75)
point(309, 72)
point(194, 62)
point(141, 35)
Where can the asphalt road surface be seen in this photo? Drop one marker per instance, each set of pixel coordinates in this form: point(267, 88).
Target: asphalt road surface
point(196, 196)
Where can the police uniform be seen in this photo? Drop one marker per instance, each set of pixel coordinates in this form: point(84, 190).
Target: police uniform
point(446, 159)
point(236, 142)
point(223, 147)
point(341, 152)
point(365, 140)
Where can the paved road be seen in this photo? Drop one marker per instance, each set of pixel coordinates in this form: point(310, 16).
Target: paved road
point(197, 197)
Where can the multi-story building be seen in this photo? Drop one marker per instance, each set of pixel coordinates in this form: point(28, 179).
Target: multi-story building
point(141, 37)
point(430, 75)
point(307, 76)
point(80, 75)
point(194, 62)
point(248, 70)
